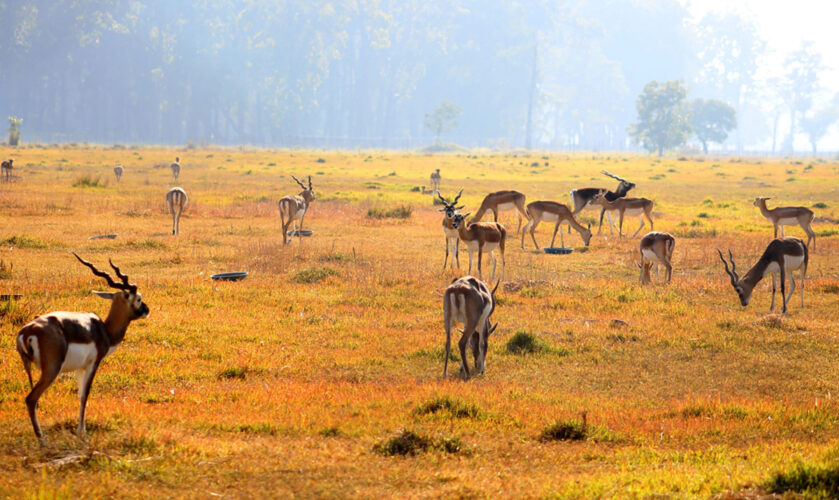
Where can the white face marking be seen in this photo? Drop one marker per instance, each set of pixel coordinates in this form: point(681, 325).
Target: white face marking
point(79, 356)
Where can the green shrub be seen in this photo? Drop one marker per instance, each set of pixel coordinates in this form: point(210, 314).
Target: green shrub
point(526, 343)
point(571, 430)
point(813, 482)
point(314, 274)
point(400, 212)
point(87, 181)
point(455, 408)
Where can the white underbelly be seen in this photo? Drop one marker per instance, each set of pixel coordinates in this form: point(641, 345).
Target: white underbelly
point(650, 255)
point(79, 356)
point(506, 206)
point(791, 263)
point(791, 221)
point(549, 217)
point(451, 233)
point(633, 211)
point(472, 246)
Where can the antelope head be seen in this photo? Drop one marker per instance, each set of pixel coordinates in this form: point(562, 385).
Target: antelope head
point(760, 201)
point(624, 185)
point(308, 193)
point(459, 220)
point(127, 303)
point(745, 293)
point(450, 208)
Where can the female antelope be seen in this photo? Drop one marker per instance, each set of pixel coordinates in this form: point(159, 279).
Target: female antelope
point(176, 168)
point(293, 209)
point(550, 211)
point(452, 235)
point(118, 170)
point(468, 300)
point(503, 200)
point(61, 342)
point(481, 237)
point(788, 216)
point(656, 248)
point(641, 207)
point(177, 200)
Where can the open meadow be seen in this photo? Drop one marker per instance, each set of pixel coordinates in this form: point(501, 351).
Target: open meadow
point(295, 381)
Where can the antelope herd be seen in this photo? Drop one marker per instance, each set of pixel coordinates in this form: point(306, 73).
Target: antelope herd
point(61, 342)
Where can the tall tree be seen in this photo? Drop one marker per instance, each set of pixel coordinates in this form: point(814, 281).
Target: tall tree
point(817, 124)
point(800, 83)
point(711, 120)
point(663, 117)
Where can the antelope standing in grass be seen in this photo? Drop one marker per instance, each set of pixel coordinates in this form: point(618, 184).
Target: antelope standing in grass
point(550, 211)
point(481, 237)
point(435, 181)
point(452, 234)
point(788, 216)
point(583, 197)
point(781, 257)
point(118, 170)
point(641, 207)
point(6, 166)
point(503, 200)
point(468, 300)
point(656, 248)
point(293, 208)
point(61, 342)
point(176, 168)
point(176, 199)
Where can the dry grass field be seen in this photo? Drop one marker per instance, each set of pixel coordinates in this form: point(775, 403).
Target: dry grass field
point(313, 375)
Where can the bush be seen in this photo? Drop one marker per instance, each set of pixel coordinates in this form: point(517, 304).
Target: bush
point(455, 408)
point(314, 274)
point(86, 181)
point(236, 372)
point(400, 212)
point(410, 443)
point(572, 430)
point(820, 204)
point(526, 343)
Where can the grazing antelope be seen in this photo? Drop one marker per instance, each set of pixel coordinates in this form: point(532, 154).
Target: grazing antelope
point(468, 300)
point(656, 248)
point(294, 208)
point(641, 207)
point(788, 216)
point(435, 181)
point(503, 200)
point(782, 256)
point(583, 197)
point(550, 211)
point(6, 167)
point(176, 199)
point(118, 170)
point(452, 234)
point(481, 237)
point(61, 342)
point(176, 168)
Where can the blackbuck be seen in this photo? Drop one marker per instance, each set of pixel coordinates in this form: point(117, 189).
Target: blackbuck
point(481, 237)
point(503, 200)
point(788, 216)
point(293, 209)
point(118, 170)
point(176, 168)
point(176, 199)
point(61, 342)
point(435, 181)
point(551, 211)
point(452, 234)
point(656, 248)
point(781, 257)
point(468, 300)
point(641, 207)
point(583, 197)
point(6, 168)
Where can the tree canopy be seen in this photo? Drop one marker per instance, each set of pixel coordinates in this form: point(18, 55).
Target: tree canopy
point(663, 116)
point(712, 120)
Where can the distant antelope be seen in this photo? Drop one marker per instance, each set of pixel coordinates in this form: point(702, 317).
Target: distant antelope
point(468, 300)
point(435, 181)
point(656, 248)
point(503, 200)
point(781, 257)
point(452, 234)
point(481, 237)
point(641, 207)
point(176, 199)
point(61, 342)
point(118, 170)
point(6, 168)
point(293, 208)
point(788, 216)
point(550, 211)
point(176, 168)
point(583, 197)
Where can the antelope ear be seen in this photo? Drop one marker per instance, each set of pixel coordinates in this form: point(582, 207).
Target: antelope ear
point(442, 210)
point(460, 207)
point(105, 295)
point(589, 226)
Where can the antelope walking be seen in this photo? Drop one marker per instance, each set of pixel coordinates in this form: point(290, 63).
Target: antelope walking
point(176, 168)
point(468, 300)
point(6, 167)
point(61, 342)
point(656, 248)
point(452, 234)
point(435, 181)
point(550, 211)
point(294, 208)
point(176, 199)
point(503, 200)
point(118, 170)
point(481, 237)
point(781, 257)
point(583, 197)
point(641, 207)
point(788, 216)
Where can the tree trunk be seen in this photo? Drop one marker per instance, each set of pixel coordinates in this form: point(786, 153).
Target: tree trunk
point(705, 147)
point(528, 139)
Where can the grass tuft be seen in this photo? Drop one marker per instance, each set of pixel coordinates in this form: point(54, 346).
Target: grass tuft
point(570, 430)
point(524, 342)
point(87, 181)
point(811, 481)
point(404, 443)
point(314, 274)
point(453, 407)
point(400, 212)
point(23, 241)
point(234, 372)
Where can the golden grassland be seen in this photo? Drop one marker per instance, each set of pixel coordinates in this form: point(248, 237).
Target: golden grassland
point(291, 382)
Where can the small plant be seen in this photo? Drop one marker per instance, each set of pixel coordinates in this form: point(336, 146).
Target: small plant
point(400, 212)
point(320, 160)
point(453, 407)
point(404, 443)
point(570, 430)
point(22, 241)
point(526, 343)
point(820, 204)
point(331, 431)
point(314, 274)
point(14, 130)
point(86, 181)
point(5, 270)
point(234, 372)
point(814, 482)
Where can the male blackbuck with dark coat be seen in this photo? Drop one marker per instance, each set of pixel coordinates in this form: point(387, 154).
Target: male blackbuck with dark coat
point(781, 257)
point(293, 209)
point(788, 216)
point(551, 211)
point(61, 342)
point(468, 300)
point(656, 248)
point(583, 197)
point(452, 234)
point(641, 207)
point(503, 200)
point(176, 168)
point(176, 199)
point(481, 237)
